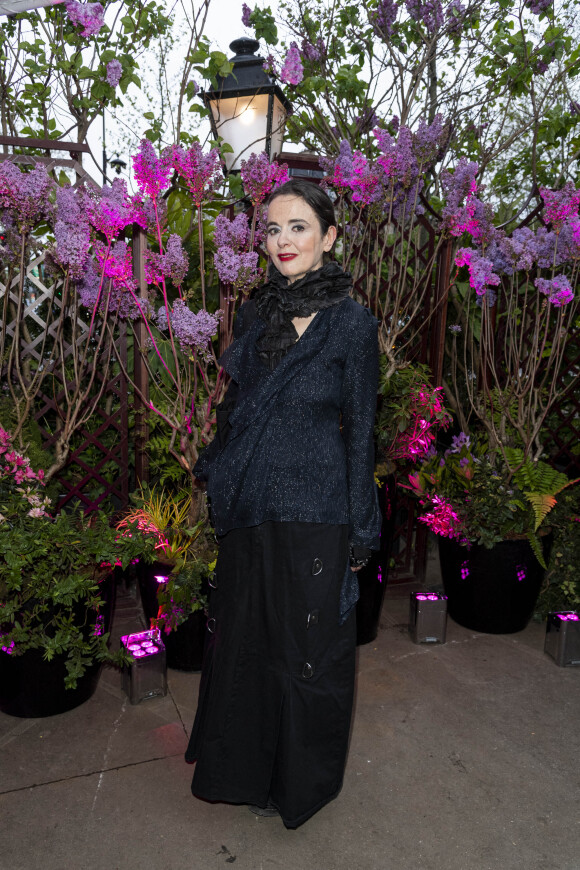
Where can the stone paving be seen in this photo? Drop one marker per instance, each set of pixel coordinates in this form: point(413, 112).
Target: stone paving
point(463, 756)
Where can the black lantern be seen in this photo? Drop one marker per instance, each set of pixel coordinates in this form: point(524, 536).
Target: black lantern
point(248, 108)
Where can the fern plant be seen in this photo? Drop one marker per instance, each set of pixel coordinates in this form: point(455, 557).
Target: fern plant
point(539, 482)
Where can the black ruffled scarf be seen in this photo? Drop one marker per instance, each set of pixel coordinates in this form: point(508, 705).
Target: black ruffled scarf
point(277, 302)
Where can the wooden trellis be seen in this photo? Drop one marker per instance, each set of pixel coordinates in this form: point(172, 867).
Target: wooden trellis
point(97, 469)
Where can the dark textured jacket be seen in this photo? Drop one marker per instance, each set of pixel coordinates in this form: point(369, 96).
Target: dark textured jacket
point(300, 438)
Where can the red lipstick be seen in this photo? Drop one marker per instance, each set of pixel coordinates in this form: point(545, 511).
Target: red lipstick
point(285, 257)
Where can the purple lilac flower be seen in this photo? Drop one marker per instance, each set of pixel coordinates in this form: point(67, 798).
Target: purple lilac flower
point(114, 73)
point(10, 249)
point(521, 248)
point(194, 87)
point(239, 270)
point(455, 328)
point(260, 177)
point(193, 331)
point(383, 18)
point(176, 260)
point(430, 12)
point(538, 6)
point(574, 107)
point(201, 172)
point(364, 180)
point(270, 67)
point(459, 189)
point(481, 272)
point(89, 16)
point(341, 167)
point(429, 139)
point(292, 71)
point(397, 157)
point(231, 234)
point(455, 14)
point(119, 300)
point(117, 264)
point(145, 212)
point(560, 204)
point(112, 211)
point(313, 51)
point(458, 442)
point(71, 231)
point(152, 173)
point(173, 264)
point(26, 193)
point(246, 12)
point(558, 290)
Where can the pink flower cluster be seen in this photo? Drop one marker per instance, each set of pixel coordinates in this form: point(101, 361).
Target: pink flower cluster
point(111, 210)
point(152, 173)
point(14, 464)
point(201, 172)
point(442, 519)
point(260, 177)
point(560, 205)
point(89, 16)
point(292, 71)
point(558, 290)
point(481, 274)
point(418, 437)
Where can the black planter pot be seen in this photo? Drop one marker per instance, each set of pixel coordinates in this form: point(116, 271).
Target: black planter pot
point(184, 645)
point(373, 578)
point(33, 688)
point(492, 591)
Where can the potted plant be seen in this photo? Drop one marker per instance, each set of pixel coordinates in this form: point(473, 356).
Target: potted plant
point(56, 594)
point(491, 519)
point(174, 587)
point(561, 587)
point(409, 412)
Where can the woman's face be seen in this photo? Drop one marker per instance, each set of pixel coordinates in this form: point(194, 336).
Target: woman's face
point(295, 241)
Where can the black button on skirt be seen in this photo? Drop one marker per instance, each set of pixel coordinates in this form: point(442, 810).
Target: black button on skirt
point(276, 690)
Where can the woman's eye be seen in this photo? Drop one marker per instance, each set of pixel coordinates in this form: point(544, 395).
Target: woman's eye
point(299, 228)
point(272, 231)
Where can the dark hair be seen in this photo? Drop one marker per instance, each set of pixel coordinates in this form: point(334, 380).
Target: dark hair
point(317, 199)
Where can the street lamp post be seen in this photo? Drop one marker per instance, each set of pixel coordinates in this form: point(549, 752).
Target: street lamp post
point(248, 109)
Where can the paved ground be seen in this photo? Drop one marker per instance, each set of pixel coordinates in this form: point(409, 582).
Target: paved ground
point(463, 757)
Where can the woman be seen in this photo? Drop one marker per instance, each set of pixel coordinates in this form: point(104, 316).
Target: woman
point(291, 487)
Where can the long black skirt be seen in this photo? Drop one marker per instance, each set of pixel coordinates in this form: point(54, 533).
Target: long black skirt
point(276, 692)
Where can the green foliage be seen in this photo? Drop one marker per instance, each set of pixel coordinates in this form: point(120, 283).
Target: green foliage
point(264, 25)
point(51, 582)
point(489, 499)
point(163, 522)
point(399, 411)
point(539, 482)
point(561, 589)
point(64, 68)
point(182, 594)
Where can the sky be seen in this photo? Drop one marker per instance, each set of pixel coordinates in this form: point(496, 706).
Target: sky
point(223, 25)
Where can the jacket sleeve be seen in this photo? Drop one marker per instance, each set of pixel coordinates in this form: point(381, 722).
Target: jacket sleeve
point(358, 407)
point(244, 319)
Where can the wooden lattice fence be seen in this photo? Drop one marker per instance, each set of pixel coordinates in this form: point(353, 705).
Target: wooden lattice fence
point(97, 467)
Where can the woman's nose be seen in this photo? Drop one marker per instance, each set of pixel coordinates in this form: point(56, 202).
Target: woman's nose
point(282, 238)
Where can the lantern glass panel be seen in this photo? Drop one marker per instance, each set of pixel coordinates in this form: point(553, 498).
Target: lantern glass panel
point(243, 123)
